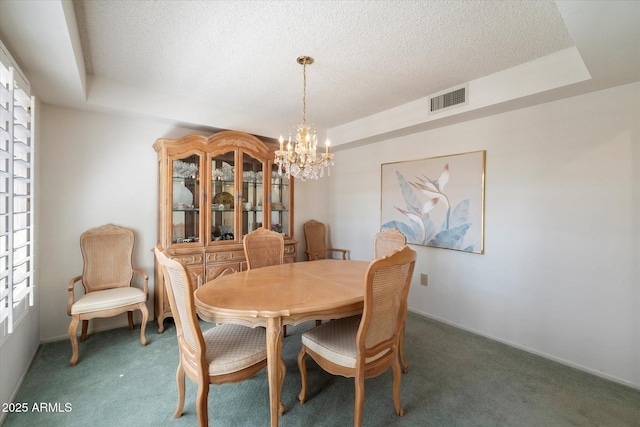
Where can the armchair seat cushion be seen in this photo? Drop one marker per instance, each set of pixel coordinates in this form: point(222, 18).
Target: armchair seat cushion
point(108, 299)
point(231, 348)
point(336, 341)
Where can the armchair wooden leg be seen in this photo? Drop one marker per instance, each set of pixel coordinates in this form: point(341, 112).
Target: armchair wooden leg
point(143, 325)
point(130, 317)
point(85, 326)
point(73, 337)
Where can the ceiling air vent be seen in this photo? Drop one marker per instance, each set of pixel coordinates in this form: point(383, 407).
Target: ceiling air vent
point(448, 99)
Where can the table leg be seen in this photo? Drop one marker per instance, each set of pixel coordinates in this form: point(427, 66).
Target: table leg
point(275, 367)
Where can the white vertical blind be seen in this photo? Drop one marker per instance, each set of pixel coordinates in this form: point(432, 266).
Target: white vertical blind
point(16, 193)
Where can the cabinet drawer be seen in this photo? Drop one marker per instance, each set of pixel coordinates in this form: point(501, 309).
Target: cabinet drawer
point(225, 256)
point(221, 269)
point(289, 249)
point(188, 259)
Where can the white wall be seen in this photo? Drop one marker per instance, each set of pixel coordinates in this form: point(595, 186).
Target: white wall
point(94, 169)
point(561, 271)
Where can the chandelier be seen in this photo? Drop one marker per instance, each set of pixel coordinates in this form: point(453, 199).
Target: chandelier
point(300, 159)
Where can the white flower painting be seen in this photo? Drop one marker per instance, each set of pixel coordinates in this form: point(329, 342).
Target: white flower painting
point(437, 201)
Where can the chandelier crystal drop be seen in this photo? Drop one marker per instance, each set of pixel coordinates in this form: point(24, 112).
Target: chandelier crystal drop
point(301, 159)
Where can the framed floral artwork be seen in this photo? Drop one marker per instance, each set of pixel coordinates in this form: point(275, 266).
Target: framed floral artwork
point(438, 201)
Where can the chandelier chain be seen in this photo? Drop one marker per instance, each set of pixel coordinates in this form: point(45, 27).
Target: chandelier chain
point(304, 93)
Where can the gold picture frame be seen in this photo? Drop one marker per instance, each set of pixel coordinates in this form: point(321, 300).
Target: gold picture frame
point(436, 201)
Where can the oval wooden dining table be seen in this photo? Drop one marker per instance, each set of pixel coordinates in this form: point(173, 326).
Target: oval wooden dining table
point(286, 294)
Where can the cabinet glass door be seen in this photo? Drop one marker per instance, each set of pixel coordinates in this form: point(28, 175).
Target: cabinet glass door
point(252, 194)
point(223, 191)
point(280, 203)
point(185, 200)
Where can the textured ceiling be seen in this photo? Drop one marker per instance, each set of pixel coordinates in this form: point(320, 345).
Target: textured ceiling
point(369, 55)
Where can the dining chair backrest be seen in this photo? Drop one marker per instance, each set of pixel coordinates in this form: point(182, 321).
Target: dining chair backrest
point(262, 248)
point(386, 290)
point(180, 293)
point(388, 241)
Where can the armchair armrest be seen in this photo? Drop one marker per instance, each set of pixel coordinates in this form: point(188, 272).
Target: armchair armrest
point(146, 279)
point(311, 255)
point(72, 284)
point(342, 251)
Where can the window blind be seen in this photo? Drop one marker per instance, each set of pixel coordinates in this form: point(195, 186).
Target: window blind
point(16, 193)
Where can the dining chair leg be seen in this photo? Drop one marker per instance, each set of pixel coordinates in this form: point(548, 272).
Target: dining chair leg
point(397, 377)
point(403, 359)
point(181, 391)
point(201, 402)
point(302, 367)
point(73, 337)
point(359, 404)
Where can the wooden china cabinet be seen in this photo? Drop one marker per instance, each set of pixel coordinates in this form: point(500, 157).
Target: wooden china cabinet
point(212, 190)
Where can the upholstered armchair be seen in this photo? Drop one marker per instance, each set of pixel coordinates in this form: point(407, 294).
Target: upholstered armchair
point(106, 277)
point(315, 233)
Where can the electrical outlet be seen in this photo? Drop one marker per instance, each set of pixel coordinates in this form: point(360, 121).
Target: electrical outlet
point(424, 279)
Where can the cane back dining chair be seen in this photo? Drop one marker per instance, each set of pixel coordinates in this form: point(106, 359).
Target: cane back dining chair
point(385, 243)
point(388, 241)
point(315, 233)
point(263, 248)
point(106, 277)
point(365, 346)
point(222, 354)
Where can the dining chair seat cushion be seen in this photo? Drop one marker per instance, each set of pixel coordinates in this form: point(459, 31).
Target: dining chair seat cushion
point(231, 348)
point(336, 341)
point(107, 299)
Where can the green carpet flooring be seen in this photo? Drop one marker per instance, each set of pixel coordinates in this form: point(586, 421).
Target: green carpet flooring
point(455, 379)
